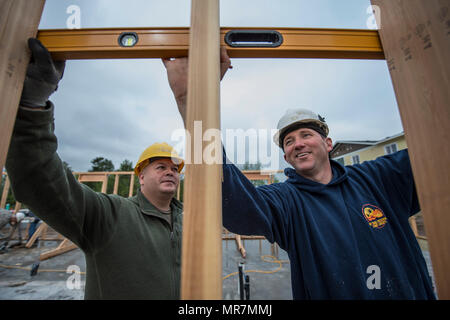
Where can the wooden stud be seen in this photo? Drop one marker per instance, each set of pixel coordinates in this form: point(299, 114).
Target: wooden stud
point(5, 193)
point(19, 20)
point(130, 194)
point(116, 184)
point(415, 38)
point(240, 246)
point(94, 177)
point(201, 264)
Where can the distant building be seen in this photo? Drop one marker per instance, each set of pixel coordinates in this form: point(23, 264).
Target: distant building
point(349, 152)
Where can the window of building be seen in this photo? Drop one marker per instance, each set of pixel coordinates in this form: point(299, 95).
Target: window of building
point(390, 148)
point(355, 159)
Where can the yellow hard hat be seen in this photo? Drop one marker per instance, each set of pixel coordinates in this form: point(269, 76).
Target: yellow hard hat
point(158, 150)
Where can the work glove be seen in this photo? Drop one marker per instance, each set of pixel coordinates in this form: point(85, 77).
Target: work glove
point(43, 75)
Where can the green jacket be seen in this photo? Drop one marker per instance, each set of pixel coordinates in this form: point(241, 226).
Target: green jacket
point(131, 251)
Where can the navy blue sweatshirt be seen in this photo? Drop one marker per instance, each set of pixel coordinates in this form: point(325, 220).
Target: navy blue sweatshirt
point(348, 239)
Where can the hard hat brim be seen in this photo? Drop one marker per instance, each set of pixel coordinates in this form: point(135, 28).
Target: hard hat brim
point(176, 160)
point(290, 127)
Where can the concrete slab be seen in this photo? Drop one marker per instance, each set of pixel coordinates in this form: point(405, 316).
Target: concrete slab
point(268, 281)
point(53, 282)
point(50, 283)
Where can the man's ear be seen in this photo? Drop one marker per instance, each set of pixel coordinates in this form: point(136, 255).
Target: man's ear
point(141, 177)
point(329, 143)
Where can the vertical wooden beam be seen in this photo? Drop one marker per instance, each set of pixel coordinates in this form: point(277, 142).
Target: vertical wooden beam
point(19, 20)
point(5, 193)
point(130, 194)
point(116, 183)
point(104, 183)
point(415, 35)
point(201, 269)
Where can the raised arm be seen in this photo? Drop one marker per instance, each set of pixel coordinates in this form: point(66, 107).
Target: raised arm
point(246, 209)
point(177, 75)
point(38, 178)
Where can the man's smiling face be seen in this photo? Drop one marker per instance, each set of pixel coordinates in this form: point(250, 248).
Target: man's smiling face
point(307, 151)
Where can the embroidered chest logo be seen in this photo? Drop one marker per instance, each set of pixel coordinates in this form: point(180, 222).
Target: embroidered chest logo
point(374, 216)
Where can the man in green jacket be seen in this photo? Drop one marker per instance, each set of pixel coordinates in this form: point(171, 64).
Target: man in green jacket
point(132, 245)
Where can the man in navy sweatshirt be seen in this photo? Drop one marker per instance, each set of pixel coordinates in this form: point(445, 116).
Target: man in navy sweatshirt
point(345, 229)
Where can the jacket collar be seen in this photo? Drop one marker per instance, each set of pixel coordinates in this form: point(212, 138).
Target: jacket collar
point(149, 209)
point(339, 175)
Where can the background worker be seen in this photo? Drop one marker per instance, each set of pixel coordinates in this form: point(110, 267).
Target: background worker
point(9, 218)
point(132, 245)
point(345, 229)
point(34, 222)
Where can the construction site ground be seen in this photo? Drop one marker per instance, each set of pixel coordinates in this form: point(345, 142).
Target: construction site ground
point(268, 280)
point(52, 282)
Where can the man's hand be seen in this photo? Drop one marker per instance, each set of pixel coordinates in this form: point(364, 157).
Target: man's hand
point(43, 75)
point(177, 74)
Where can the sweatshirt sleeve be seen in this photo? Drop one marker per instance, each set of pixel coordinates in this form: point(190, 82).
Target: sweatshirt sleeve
point(39, 180)
point(394, 173)
point(250, 210)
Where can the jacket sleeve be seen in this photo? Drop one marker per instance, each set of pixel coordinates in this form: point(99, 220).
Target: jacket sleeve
point(250, 210)
point(39, 180)
point(394, 174)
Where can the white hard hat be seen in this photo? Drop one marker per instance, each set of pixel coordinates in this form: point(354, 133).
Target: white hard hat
point(20, 216)
point(294, 117)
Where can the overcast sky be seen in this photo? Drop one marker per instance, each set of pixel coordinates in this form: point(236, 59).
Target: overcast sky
point(116, 108)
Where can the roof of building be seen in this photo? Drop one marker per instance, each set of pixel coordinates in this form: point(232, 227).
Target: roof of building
point(353, 145)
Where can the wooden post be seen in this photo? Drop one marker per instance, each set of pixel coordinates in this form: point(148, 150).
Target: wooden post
point(116, 184)
point(201, 267)
point(5, 193)
point(415, 35)
point(130, 194)
point(19, 20)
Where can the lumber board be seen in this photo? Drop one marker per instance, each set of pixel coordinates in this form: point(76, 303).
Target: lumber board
point(19, 20)
point(65, 246)
point(201, 265)
point(102, 43)
point(95, 177)
point(240, 246)
point(5, 193)
point(41, 229)
point(415, 35)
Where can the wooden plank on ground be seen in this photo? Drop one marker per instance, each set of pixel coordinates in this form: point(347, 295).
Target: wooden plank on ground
point(42, 227)
point(65, 246)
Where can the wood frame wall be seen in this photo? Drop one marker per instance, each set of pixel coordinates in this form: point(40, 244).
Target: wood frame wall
point(414, 36)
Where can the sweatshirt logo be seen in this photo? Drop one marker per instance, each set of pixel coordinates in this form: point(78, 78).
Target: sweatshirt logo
point(374, 216)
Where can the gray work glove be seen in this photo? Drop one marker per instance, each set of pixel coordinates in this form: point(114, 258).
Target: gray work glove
point(43, 75)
